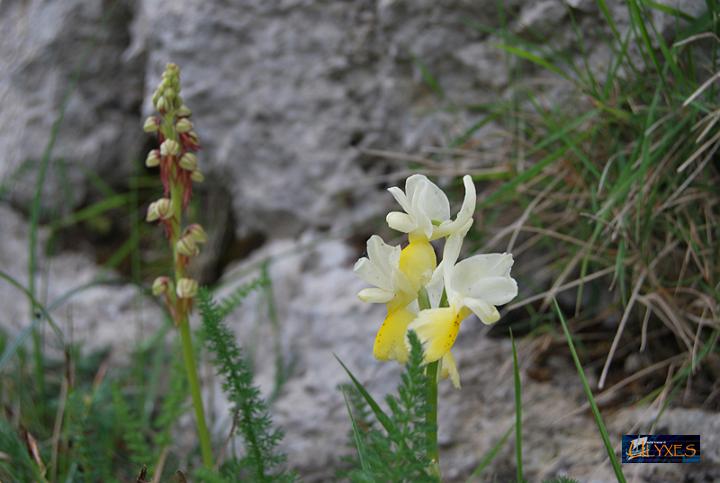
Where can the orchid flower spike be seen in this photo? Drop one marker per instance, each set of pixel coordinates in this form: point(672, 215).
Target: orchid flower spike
point(427, 209)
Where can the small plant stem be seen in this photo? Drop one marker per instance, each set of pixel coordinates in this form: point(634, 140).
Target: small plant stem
point(180, 313)
point(433, 453)
point(191, 369)
point(431, 417)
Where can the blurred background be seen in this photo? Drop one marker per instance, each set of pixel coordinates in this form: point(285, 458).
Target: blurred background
point(589, 127)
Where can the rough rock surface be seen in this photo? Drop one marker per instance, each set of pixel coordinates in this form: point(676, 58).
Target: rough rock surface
point(50, 51)
point(288, 94)
point(112, 315)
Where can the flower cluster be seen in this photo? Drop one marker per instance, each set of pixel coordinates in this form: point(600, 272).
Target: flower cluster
point(430, 298)
point(178, 170)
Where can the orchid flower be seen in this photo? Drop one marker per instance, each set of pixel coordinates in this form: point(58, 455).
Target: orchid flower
point(474, 285)
point(427, 209)
point(397, 276)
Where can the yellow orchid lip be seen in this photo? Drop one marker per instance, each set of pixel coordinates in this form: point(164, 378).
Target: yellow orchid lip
point(390, 339)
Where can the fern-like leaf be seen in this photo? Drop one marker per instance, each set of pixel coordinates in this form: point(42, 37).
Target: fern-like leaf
point(262, 457)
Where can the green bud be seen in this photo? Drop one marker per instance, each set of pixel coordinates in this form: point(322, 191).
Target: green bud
point(153, 159)
point(186, 288)
point(196, 233)
point(188, 162)
point(186, 246)
point(183, 111)
point(161, 286)
point(197, 176)
point(151, 124)
point(162, 104)
point(169, 148)
point(183, 125)
point(159, 210)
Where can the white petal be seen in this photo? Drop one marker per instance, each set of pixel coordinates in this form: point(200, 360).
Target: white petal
point(453, 244)
point(431, 201)
point(494, 290)
point(382, 255)
point(488, 265)
point(413, 183)
point(401, 222)
point(465, 214)
point(400, 198)
point(367, 271)
point(375, 295)
point(435, 287)
point(487, 313)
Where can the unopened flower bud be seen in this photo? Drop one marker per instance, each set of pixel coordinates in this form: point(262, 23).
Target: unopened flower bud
point(183, 125)
point(161, 104)
point(196, 233)
point(197, 176)
point(186, 288)
point(192, 135)
point(169, 148)
point(183, 111)
point(188, 162)
point(151, 124)
point(153, 159)
point(169, 93)
point(159, 210)
point(186, 246)
point(161, 285)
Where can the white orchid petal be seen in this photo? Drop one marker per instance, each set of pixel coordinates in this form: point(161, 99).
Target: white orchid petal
point(375, 295)
point(488, 265)
point(464, 216)
point(486, 312)
point(401, 222)
point(400, 197)
point(370, 273)
point(494, 290)
point(435, 287)
point(382, 255)
point(412, 184)
point(431, 201)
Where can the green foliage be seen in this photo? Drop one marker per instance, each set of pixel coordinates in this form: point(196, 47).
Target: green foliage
point(16, 463)
point(262, 461)
point(228, 304)
point(396, 451)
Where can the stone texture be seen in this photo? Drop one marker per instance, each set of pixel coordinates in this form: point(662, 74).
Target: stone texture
point(112, 315)
point(45, 48)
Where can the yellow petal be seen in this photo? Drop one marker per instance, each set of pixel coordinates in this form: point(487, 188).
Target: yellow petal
point(449, 369)
point(390, 339)
point(417, 261)
point(437, 329)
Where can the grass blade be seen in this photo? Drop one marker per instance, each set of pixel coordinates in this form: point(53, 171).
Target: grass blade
point(591, 399)
point(518, 412)
point(376, 409)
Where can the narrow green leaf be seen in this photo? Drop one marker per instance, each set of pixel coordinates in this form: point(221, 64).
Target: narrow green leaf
point(518, 412)
point(376, 409)
point(591, 399)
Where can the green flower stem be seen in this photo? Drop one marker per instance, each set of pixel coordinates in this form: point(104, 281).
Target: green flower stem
point(431, 416)
point(189, 357)
point(181, 311)
point(432, 398)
